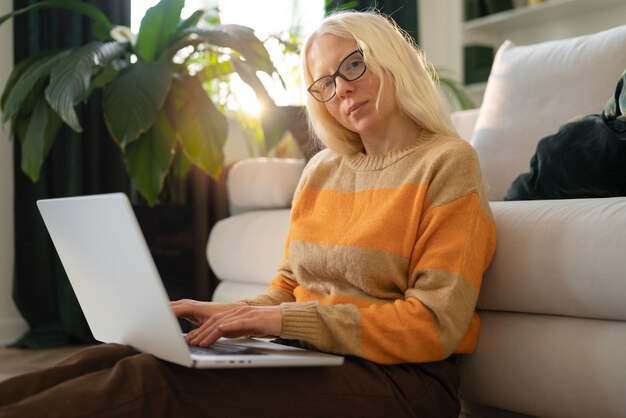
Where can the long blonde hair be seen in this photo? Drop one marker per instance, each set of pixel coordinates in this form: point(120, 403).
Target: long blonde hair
point(387, 49)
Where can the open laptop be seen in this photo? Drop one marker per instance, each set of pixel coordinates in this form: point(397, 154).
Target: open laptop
point(109, 265)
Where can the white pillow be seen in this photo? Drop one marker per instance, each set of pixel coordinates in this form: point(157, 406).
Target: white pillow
point(263, 183)
point(534, 89)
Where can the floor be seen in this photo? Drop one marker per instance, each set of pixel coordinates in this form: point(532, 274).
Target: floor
point(15, 361)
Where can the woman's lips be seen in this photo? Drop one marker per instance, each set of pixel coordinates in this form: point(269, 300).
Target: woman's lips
point(355, 107)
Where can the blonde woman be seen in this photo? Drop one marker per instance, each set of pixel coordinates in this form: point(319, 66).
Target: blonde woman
point(390, 235)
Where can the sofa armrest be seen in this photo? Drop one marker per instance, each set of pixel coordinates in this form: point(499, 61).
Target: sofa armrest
point(464, 121)
point(262, 183)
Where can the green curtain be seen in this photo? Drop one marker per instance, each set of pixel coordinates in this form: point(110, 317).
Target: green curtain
point(78, 164)
point(404, 12)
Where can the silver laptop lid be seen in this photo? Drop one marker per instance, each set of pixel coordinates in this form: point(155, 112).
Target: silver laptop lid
point(113, 274)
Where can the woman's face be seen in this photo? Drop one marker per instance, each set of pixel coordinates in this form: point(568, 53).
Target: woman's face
point(354, 104)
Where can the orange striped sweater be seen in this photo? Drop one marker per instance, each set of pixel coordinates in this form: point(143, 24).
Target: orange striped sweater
point(385, 254)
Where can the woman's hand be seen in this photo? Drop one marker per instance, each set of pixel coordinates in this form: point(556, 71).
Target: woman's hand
point(228, 320)
point(199, 312)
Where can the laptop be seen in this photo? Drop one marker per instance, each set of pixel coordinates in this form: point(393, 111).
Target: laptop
point(119, 289)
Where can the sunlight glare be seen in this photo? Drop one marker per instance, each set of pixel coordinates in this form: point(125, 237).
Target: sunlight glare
point(244, 97)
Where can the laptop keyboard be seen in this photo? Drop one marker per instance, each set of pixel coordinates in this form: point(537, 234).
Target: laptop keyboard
point(223, 349)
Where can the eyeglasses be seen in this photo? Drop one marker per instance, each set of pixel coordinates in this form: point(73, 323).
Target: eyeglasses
point(351, 68)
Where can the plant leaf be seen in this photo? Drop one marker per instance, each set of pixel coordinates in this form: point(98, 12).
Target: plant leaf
point(157, 27)
point(251, 79)
point(148, 159)
point(212, 71)
point(17, 72)
point(239, 38)
point(275, 122)
point(26, 81)
point(101, 32)
point(190, 22)
point(457, 93)
point(181, 164)
point(84, 8)
point(453, 87)
point(132, 101)
point(199, 125)
point(42, 129)
point(70, 78)
point(105, 76)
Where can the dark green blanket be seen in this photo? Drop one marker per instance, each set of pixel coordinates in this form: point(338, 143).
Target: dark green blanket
point(585, 158)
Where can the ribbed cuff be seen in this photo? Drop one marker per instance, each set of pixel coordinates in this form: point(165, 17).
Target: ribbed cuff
point(301, 321)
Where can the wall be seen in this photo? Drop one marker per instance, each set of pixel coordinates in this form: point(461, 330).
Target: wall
point(11, 324)
point(442, 38)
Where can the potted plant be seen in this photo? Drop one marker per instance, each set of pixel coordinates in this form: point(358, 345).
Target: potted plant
point(155, 101)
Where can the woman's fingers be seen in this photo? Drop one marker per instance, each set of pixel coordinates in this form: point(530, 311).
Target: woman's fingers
point(187, 308)
point(238, 322)
point(197, 311)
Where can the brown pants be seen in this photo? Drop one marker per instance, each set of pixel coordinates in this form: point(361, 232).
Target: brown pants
point(116, 381)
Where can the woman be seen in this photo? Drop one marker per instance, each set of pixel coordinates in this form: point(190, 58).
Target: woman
point(390, 235)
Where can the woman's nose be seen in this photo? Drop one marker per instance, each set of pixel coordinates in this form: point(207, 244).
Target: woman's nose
point(343, 87)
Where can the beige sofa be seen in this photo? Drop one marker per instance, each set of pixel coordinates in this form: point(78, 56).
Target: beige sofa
point(553, 303)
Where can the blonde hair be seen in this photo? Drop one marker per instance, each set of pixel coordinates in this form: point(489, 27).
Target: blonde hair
point(387, 49)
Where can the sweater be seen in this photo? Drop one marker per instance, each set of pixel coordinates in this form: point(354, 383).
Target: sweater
point(385, 253)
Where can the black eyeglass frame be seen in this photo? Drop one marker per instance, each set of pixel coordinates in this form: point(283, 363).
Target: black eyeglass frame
point(338, 73)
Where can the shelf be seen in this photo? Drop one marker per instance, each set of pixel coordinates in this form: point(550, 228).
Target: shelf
point(528, 15)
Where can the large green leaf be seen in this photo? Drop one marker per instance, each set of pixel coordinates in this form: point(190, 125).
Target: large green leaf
point(199, 125)
point(157, 26)
point(275, 121)
point(181, 166)
point(77, 6)
point(108, 74)
point(239, 38)
point(42, 129)
point(190, 22)
point(132, 101)
point(149, 158)
point(27, 80)
point(71, 77)
point(27, 107)
point(17, 72)
point(248, 75)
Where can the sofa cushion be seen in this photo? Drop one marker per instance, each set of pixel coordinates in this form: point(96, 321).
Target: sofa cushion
point(229, 291)
point(534, 89)
point(465, 121)
point(560, 257)
point(248, 247)
point(263, 183)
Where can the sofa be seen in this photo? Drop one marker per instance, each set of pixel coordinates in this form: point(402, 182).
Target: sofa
point(553, 301)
